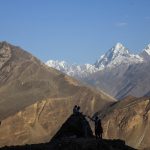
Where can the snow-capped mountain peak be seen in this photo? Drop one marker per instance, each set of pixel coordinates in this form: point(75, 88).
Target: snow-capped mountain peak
point(119, 45)
point(72, 69)
point(57, 64)
point(117, 55)
point(114, 57)
point(145, 54)
point(147, 49)
point(119, 49)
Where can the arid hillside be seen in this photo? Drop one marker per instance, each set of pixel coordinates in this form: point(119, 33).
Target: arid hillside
point(128, 120)
point(35, 99)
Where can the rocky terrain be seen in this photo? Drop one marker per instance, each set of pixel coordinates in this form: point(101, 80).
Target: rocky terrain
point(123, 81)
point(128, 120)
point(35, 99)
point(71, 137)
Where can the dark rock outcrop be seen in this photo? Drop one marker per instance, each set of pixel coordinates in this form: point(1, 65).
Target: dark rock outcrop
point(76, 144)
point(71, 137)
point(74, 127)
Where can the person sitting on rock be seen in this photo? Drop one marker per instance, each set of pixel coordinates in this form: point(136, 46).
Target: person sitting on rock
point(98, 127)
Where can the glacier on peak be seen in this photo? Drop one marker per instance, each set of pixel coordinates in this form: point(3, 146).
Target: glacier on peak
point(72, 69)
point(146, 53)
point(119, 48)
point(114, 57)
point(147, 49)
point(117, 55)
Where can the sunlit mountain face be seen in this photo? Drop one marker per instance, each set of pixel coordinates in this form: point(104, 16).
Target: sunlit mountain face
point(117, 72)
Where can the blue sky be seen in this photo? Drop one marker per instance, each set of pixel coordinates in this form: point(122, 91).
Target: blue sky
point(78, 31)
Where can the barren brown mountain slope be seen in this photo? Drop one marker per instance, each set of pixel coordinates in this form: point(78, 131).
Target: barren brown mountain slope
point(36, 99)
point(129, 120)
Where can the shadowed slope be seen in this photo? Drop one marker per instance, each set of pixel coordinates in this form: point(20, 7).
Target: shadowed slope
point(71, 136)
point(36, 99)
point(74, 127)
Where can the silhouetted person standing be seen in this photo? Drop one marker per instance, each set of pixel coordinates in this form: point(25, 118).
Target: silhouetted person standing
point(98, 127)
point(78, 110)
point(85, 127)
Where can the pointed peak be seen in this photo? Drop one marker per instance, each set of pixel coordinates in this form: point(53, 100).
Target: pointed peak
point(119, 45)
point(119, 49)
point(147, 49)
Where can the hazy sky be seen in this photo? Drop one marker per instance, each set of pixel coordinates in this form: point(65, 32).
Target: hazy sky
point(77, 31)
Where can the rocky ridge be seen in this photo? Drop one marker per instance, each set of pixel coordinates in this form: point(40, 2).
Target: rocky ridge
point(71, 137)
point(36, 99)
point(118, 72)
point(117, 55)
point(128, 120)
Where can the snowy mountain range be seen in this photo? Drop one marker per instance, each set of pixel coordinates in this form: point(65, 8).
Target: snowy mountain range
point(114, 57)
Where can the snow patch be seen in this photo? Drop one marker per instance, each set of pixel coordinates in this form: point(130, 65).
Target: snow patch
point(114, 57)
point(147, 49)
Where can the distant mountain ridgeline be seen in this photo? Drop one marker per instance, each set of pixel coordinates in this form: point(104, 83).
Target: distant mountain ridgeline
point(117, 72)
point(36, 100)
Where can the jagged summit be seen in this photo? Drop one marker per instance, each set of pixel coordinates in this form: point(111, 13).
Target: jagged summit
point(59, 65)
point(114, 57)
point(116, 51)
point(117, 55)
point(119, 48)
point(146, 53)
point(72, 69)
point(147, 49)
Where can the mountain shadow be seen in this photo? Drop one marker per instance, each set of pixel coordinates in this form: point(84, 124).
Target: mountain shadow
point(31, 93)
point(71, 136)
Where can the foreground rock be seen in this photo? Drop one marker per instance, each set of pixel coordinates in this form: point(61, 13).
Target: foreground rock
point(74, 127)
point(71, 136)
point(76, 144)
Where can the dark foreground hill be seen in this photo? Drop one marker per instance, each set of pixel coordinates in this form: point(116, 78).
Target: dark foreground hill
point(76, 144)
point(36, 99)
point(71, 137)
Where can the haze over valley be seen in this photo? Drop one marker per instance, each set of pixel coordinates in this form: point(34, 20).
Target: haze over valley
point(32, 93)
point(74, 75)
point(118, 72)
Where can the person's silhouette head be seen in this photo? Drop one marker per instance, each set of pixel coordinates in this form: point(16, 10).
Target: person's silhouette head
point(78, 108)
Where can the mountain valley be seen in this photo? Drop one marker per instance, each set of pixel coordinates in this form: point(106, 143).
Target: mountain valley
point(117, 72)
point(35, 99)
